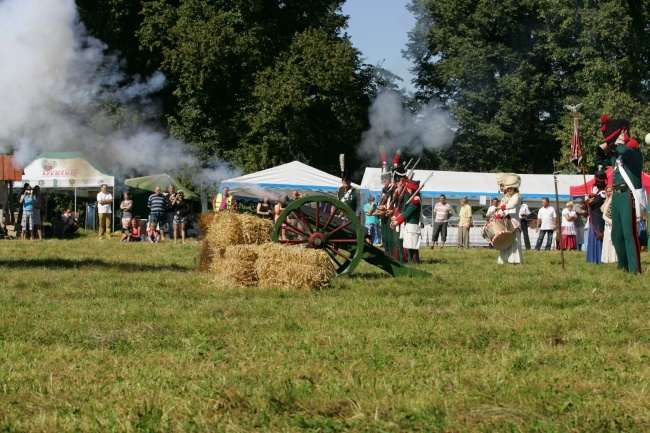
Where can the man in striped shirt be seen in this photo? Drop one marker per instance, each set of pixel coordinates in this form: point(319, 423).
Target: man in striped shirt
point(441, 214)
point(157, 204)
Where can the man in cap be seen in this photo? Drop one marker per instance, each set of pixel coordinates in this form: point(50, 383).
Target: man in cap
point(623, 153)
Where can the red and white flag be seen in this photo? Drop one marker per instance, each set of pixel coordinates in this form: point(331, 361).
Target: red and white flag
point(575, 154)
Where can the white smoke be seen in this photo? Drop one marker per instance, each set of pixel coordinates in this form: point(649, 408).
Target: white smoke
point(395, 127)
point(54, 81)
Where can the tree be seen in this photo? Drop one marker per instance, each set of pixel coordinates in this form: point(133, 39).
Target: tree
point(310, 105)
point(507, 69)
point(252, 81)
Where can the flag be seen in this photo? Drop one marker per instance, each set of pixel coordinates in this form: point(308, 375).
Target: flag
point(575, 154)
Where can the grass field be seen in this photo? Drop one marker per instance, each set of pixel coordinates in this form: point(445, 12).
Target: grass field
point(107, 336)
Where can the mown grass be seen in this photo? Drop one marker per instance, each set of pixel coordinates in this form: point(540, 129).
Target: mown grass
point(107, 336)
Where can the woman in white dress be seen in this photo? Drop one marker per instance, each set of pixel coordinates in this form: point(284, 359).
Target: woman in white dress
point(609, 253)
point(510, 205)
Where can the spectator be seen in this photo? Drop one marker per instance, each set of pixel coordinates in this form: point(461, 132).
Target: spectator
point(265, 209)
point(58, 226)
point(464, 224)
point(372, 220)
point(153, 232)
point(70, 222)
point(126, 206)
point(219, 204)
point(126, 230)
point(104, 203)
point(26, 188)
point(171, 203)
point(569, 217)
point(524, 211)
point(546, 223)
point(181, 210)
point(39, 207)
point(136, 234)
point(27, 206)
point(157, 205)
point(441, 214)
point(494, 207)
point(582, 214)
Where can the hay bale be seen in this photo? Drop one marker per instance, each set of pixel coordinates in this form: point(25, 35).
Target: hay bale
point(255, 230)
point(292, 267)
point(206, 257)
point(225, 230)
point(237, 268)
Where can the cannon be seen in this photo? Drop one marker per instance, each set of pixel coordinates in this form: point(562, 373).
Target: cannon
point(312, 223)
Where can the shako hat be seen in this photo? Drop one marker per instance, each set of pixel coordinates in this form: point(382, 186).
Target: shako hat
point(612, 128)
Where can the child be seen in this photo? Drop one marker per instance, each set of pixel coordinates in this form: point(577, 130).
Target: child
point(135, 230)
point(126, 230)
point(153, 233)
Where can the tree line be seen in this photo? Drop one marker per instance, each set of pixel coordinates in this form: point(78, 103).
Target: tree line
point(259, 83)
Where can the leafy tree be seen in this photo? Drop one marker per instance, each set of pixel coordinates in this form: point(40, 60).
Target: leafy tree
point(309, 105)
point(253, 81)
point(507, 69)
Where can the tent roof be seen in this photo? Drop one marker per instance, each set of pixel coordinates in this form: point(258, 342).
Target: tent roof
point(457, 184)
point(163, 180)
point(579, 189)
point(280, 180)
point(66, 170)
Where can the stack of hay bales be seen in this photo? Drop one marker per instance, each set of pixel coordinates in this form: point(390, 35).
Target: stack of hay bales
point(238, 252)
point(293, 267)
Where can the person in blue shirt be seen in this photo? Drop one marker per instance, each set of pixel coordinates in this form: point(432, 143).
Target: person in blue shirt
point(372, 220)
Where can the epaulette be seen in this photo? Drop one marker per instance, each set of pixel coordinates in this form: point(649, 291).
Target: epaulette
point(416, 199)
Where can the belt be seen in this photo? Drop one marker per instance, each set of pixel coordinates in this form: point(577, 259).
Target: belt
point(621, 190)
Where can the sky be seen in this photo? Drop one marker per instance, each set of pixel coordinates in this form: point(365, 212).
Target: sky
point(379, 29)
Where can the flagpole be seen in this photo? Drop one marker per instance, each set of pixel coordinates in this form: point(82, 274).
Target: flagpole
point(557, 203)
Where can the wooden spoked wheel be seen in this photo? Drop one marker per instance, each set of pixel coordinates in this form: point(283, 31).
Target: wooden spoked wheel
point(309, 222)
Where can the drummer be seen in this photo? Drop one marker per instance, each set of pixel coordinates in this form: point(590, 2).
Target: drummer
point(509, 208)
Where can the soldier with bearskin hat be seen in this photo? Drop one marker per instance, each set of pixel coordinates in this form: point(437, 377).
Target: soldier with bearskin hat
point(596, 221)
point(620, 151)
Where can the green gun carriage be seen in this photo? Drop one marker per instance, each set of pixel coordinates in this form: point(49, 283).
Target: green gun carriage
point(312, 223)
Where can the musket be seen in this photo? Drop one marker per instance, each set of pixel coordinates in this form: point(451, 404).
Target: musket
point(419, 189)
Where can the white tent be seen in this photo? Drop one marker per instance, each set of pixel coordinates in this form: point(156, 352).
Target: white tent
point(278, 182)
point(66, 171)
point(473, 186)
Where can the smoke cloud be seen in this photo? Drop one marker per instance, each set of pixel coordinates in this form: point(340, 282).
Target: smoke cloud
point(395, 127)
point(55, 83)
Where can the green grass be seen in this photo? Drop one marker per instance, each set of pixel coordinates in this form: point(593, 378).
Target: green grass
point(107, 336)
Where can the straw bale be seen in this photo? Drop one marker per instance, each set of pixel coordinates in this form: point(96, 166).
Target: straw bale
point(255, 230)
point(237, 268)
point(225, 230)
point(292, 267)
point(207, 255)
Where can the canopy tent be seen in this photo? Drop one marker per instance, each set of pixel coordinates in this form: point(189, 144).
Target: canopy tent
point(474, 186)
point(579, 189)
point(149, 183)
point(67, 171)
point(279, 181)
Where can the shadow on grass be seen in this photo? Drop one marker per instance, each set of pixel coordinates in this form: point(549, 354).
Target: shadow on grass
point(88, 264)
